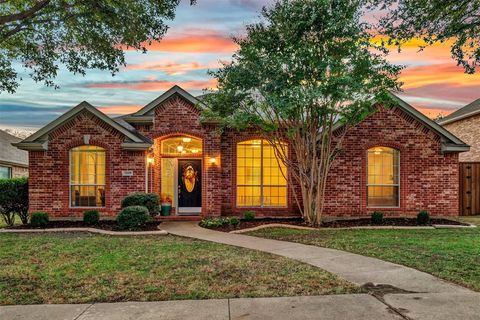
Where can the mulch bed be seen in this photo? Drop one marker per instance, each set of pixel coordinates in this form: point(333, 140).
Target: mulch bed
point(362, 222)
point(109, 225)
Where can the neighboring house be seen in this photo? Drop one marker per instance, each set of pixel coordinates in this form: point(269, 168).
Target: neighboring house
point(396, 161)
point(13, 162)
point(465, 124)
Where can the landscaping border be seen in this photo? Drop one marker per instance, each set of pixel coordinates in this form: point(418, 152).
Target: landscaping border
point(290, 226)
point(89, 230)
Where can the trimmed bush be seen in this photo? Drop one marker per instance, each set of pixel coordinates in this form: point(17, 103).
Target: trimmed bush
point(132, 218)
point(214, 222)
point(39, 219)
point(14, 200)
point(234, 221)
point(423, 218)
point(91, 217)
point(377, 217)
point(151, 201)
point(249, 215)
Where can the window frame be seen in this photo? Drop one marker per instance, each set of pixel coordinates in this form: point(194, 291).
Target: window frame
point(398, 184)
point(261, 185)
point(10, 171)
point(70, 185)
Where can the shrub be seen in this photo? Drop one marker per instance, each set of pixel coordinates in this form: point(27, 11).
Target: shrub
point(249, 215)
point(234, 221)
point(91, 217)
point(377, 217)
point(14, 199)
point(214, 222)
point(39, 219)
point(132, 218)
point(151, 201)
point(423, 218)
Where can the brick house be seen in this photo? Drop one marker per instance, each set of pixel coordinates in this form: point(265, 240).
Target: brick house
point(13, 162)
point(396, 160)
point(465, 124)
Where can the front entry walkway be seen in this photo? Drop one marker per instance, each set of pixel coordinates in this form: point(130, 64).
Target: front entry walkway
point(416, 295)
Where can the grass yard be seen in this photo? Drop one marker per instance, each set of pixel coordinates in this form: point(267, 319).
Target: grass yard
point(452, 254)
point(80, 268)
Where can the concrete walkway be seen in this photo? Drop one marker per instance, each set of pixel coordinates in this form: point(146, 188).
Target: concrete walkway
point(336, 307)
point(416, 295)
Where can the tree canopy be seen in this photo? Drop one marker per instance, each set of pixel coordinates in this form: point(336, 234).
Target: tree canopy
point(80, 34)
point(303, 68)
point(435, 21)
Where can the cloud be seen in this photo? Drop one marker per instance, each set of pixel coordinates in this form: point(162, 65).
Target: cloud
point(153, 85)
point(173, 68)
point(126, 109)
point(199, 42)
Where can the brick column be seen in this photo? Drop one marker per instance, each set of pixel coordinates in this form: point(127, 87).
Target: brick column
point(212, 183)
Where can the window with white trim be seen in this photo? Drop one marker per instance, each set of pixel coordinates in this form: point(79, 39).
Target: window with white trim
point(383, 177)
point(260, 175)
point(5, 172)
point(87, 176)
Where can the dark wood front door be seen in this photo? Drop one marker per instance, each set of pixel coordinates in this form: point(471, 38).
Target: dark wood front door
point(469, 188)
point(189, 186)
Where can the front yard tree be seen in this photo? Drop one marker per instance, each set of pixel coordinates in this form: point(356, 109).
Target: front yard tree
point(305, 68)
point(80, 34)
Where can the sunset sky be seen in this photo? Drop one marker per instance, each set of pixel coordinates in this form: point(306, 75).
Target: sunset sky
point(197, 40)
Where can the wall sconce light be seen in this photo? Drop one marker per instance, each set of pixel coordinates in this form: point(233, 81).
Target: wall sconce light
point(213, 160)
point(150, 160)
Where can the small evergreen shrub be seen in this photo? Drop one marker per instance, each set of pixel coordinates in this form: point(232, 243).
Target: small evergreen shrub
point(151, 201)
point(423, 218)
point(234, 221)
point(14, 200)
point(39, 219)
point(377, 217)
point(214, 222)
point(249, 215)
point(132, 218)
point(91, 217)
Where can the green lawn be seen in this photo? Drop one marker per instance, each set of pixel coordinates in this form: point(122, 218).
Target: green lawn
point(80, 267)
point(449, 254)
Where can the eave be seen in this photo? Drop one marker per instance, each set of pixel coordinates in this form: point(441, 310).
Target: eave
point(135, 146)
point(139, 119)
point(32, 146)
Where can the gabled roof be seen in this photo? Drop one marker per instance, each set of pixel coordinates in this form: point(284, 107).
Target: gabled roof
point(167, 94)
point(469, 110)
point(450, 142)
point(39, 140)
point(8, 153)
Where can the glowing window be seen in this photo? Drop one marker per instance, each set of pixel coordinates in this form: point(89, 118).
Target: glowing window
point(181, 146)
point(87, 176)
point(260, 176)
point(383, 177)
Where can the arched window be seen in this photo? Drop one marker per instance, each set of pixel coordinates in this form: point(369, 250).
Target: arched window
point(383, 177)
point(181, 145)
point(260, 182)
point(87, 176)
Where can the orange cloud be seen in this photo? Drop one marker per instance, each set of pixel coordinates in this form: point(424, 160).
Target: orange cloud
point(119, 109)
point(437, 74)
point(173, 68)
point(155, 85)
point(212, 42)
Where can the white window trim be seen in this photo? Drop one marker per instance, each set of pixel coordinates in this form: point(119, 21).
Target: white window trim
point(261, 185)
point(70, 184)
point(386, 185)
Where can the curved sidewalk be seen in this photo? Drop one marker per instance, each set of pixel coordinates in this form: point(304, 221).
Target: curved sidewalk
point(424, 296)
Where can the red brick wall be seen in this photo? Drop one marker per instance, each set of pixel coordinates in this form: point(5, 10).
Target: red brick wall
point(49, 170)
point(428, 178)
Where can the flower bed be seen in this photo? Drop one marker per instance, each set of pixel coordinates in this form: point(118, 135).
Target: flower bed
point(109, 225)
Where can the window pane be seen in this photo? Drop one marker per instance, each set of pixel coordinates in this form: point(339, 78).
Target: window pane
point(167, 176)
point(383, 177)
point(5, 172)
point(87, 176)
point(181, 145)
point(383, 196)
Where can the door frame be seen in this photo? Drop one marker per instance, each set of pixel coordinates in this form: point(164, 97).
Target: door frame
point(187, 211)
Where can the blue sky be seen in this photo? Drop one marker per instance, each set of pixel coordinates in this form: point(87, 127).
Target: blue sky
point(198, 39)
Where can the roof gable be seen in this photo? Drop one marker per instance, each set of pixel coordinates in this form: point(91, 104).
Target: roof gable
point(39, 140)
point(469, 110)
point(175, 90)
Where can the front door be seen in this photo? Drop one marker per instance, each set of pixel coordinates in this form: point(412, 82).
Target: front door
point(189, 186)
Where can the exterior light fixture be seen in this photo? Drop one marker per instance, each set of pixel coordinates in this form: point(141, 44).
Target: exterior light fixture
point(179, 148)
point(213, 160)
point(150, 160)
